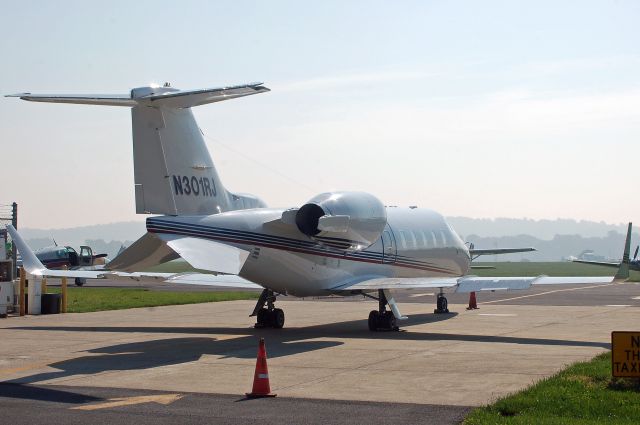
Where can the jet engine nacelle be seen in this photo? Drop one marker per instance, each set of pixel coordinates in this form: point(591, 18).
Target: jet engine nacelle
point(345, 220)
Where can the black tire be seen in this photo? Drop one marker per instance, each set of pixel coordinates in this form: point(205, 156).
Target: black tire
point(445, 305)
point(79, 281)
point(373, 320)
point(390, 321)
point(263, 317)
point(278, 318)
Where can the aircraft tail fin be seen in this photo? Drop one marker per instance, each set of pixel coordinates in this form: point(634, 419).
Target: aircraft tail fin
point(623, 270)
point(174, 173)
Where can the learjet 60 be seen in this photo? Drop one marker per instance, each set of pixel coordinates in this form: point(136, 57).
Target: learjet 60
point(337, 243)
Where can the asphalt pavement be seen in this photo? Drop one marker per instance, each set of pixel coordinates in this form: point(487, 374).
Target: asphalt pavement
point(35, 405)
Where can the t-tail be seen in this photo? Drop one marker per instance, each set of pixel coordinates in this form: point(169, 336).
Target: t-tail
point(174, 173)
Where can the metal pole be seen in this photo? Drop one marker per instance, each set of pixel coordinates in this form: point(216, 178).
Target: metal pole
point(63, 290)
point(14, 222)
point(23, 282)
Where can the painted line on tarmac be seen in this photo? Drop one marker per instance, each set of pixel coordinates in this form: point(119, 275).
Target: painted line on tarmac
point(429, 294)
point(548, 292)
point(635, 298)
point(618, 305)
point(129, 401)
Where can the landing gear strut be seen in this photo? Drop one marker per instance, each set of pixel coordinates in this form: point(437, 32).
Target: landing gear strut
point(269, 316)
point(382, 319)
point(441, 304)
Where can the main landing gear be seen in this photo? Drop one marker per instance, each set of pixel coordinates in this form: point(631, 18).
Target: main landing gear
point(269, 316)
point(441, 304)
point(382, 319)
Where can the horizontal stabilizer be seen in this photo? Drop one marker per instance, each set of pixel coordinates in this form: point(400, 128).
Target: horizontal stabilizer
point(189, 98)
point(163, 96)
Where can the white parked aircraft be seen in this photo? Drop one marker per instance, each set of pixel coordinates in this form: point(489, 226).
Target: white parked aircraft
point(344, 243)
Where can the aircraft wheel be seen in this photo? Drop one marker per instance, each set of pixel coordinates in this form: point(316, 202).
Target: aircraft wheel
point(277, 316)
point(79, 281)
point(441, 305)
point(374, 318)
point(263, 317)
point(389, 321)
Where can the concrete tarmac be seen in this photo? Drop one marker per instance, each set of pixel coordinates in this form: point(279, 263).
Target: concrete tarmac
point(325, 352)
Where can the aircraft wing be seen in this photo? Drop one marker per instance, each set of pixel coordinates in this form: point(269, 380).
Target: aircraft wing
point(467, 284)
point(220, 280)
point(477, 284)
point(33, 266)
point(493, 251)
point(599, 263)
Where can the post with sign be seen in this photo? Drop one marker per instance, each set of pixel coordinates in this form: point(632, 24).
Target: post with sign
point(625, 354)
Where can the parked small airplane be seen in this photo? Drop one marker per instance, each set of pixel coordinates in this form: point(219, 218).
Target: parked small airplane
point(343, 243)
point(59, 257)
point(634, 263)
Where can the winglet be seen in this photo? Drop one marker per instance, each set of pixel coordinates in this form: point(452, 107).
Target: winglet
point(29, 260)
point(623, 270)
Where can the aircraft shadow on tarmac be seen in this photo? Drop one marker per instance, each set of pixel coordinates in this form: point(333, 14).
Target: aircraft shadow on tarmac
point(30, 392)
point(280, 343)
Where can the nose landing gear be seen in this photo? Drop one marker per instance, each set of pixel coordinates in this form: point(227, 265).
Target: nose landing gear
point(269, 316)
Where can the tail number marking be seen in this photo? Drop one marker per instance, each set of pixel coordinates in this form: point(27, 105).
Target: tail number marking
point(192, 185)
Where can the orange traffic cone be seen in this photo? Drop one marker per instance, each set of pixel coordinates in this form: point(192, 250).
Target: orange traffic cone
point(261, 386)
point(473, 304)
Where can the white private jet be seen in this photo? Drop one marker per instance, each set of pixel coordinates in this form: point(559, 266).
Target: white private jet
point(343, 243)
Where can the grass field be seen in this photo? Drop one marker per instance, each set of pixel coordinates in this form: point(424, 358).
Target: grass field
point(83, 300)
point(582, 394)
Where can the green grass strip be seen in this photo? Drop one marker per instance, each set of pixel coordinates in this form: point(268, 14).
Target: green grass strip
point(83, 300)
point(584, 393)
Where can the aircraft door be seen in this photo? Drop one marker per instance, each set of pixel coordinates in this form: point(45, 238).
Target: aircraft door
point(86, 256)
point(389, 245)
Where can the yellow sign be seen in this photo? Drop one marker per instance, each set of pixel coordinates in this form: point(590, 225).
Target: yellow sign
point(625, 354)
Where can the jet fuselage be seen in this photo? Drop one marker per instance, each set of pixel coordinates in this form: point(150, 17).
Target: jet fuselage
point(415, 243)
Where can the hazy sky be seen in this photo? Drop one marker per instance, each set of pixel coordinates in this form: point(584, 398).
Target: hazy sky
point(481, 109)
